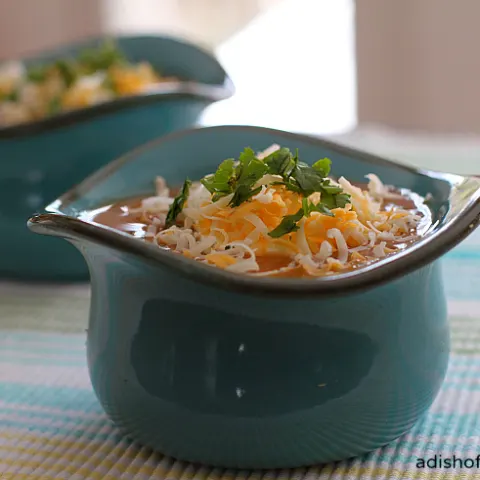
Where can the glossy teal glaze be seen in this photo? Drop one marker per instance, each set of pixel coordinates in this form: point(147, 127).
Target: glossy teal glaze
point(39, 162)
point(203, 368)
point(253, 382)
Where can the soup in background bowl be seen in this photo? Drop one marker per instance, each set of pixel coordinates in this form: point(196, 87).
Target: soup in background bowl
point(227, 367)
point(93, 76)
point(52, 138)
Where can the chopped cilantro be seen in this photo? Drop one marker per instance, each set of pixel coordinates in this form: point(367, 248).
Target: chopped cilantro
point(37, 74)
point(289, 185)
point(89, 61)
point(307, 178)
point(248, 171)
point(281, 162)
point(220, 183)
point(101, 57)
point(67, 71)
point(309, 207)
point(287, 225)
point(9, 97)
point(177, 206)
point(296, 176)
point(243, 193)
point(323, 166)
point(238, 179)
point(289, 222)
point(335, 201)
point(327, 187)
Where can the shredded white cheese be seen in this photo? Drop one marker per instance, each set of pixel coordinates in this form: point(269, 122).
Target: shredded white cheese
point(265, 153)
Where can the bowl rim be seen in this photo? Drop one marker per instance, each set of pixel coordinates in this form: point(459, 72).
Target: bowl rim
point(165, 91)
point(386, 270)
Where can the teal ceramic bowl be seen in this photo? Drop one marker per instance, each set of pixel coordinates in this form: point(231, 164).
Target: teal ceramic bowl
point(235, 371)
point(41, 160)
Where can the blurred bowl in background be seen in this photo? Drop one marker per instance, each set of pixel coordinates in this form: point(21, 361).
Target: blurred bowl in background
point(40, 160)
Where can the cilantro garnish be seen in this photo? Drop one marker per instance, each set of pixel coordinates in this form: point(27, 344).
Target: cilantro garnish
point(177, 206)
point(281, 162)
point(300, 177)
point(67, 71)
point(323, 166)
point(239, 179)
point(335, 200)
point(307, 178)
point(89, 61)
point(219, 184)
point(9, 97)
point(304, 179)
point(308, 207)
point(287, 225)
point(248, 171)
point(242, 194)
point(37, 74)
point(289, 222)
point(101, 58)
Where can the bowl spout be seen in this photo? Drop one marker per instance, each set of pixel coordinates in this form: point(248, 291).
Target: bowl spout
point(53, 225)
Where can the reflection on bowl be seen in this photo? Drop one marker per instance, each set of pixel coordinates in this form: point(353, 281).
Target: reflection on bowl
point(42, 159)
point(227, 369)
point(227, 364)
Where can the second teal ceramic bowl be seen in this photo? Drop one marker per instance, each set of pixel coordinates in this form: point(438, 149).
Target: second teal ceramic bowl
point(41, 160)
point(226, 369)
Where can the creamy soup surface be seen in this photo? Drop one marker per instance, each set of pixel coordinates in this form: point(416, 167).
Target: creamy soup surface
point(120, 217)
point(271, 214)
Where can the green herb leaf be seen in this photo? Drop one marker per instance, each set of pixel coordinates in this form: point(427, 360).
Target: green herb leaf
point(13, 96)
point(177, 206)
point(309, 207)
point(220, 183)
point(37, 74)
point(101, 58)
point(287, 225)
point(281, 162)
point(341, 200)
point(323, 166)
point(326, 187)
point(289, 185)
point(67, 71)
point(242, 194)
point(328, 200)
point(249, 170)
point(289, 222)
point(308, 179)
